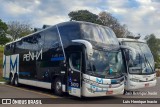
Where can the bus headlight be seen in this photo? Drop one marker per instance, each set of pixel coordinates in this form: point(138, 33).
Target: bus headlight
point(154, 78)
point(134, 80)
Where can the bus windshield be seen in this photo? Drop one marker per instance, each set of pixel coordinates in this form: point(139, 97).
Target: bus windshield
point(143, 62)
point(105, 64)
point(99, 34)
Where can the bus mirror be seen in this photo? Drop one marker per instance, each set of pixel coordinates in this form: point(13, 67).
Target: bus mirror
point(88, 46)
point(133, 51)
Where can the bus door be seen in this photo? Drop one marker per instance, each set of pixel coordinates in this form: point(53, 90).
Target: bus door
point(127, 59)
point(74, 73)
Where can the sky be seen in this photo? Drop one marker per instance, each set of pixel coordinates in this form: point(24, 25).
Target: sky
point(140, 16)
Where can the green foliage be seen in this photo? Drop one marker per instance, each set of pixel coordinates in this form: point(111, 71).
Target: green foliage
point(3, 25)
point(154, 45)
point(3, 29)
point(1, 61)
point(1, 49)
point(18, 29)
point(4, 40)
point(84, 15)
point(103, 18)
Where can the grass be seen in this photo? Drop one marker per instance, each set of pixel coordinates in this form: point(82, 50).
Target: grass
point(1, 62)
point(2, 80)
point(1, 55)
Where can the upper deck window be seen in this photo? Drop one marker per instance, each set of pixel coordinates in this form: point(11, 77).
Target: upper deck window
point(69, 32)
point(99, 34)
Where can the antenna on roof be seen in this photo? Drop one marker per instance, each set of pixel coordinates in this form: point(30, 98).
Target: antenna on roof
point(37, 29)
point(45, 26)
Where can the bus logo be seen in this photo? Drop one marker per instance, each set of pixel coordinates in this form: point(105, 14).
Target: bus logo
point(13, 64)
point(32, 56)
point(99, 80)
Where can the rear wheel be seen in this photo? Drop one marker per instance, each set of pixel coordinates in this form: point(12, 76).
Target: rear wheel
point(58, 87)
point(16, 83)
point(11, 79)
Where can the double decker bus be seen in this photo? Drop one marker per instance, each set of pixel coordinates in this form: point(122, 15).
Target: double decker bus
point(80, 58)
point(140, 66)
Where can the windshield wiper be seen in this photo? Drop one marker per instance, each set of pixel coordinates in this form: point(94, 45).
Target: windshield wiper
point(146, 60)
point(148, 63)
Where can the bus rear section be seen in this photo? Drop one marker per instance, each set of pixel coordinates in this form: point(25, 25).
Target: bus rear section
point(80, 58)
point(140, 68)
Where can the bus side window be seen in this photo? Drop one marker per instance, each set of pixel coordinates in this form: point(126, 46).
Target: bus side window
point(69, 32)
point(75, 61)
point(18, 47)
point(51, 38)
point(6, 51)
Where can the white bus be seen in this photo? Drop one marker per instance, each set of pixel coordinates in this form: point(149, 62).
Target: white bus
point(80, 58)
point(140, 67)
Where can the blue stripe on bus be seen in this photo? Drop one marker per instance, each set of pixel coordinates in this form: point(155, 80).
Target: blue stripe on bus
point(113, 81)
point(57, 58)
point(24, 73)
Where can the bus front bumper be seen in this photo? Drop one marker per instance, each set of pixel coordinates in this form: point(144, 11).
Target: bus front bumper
point(99, 92)
point(131, 85)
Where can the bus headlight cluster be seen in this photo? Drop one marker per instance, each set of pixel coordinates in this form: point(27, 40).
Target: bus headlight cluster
point(134, 80)
point(154, 78)
point(90, 82)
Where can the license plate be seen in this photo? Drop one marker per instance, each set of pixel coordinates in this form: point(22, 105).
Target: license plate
point(109, 92)
point(146, 85)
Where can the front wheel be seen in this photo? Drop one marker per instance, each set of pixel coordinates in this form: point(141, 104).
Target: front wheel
point(58, 87)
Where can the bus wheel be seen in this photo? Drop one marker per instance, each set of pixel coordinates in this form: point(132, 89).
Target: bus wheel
point(58, 87)
point(16, 81)
point(11, 79)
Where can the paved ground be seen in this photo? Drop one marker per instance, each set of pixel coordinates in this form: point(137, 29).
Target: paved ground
point(8, 91)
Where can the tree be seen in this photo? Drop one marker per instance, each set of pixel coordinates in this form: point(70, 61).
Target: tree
point(4, 40)
point(154, 45)
point(103, 18)
point(17, 29)
point(108, 20)
point(3, 26)
point(84, 15)
point(3, 29)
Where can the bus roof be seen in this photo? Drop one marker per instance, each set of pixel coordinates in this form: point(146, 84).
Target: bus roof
point(59, 24)
point(130, 40)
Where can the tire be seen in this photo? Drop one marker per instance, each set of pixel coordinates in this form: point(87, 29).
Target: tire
point(124, 92)
point(16, 83)
point(58, 87)
point(11, 79)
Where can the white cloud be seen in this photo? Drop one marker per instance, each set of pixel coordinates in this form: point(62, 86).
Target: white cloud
point(16, 9)
point(141, 16)
point(50, 20)
point(144, 18)
point(144, 2)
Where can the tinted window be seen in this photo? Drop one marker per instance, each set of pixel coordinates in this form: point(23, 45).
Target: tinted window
point(51, 38)
point(28, 42)
point(9, 49)
point(75, 61)
point(19, 47)
point(99, 34)
point(69, 32)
